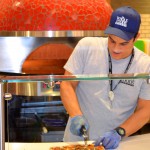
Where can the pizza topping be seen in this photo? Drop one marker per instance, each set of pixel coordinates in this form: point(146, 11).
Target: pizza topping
point(78, 147)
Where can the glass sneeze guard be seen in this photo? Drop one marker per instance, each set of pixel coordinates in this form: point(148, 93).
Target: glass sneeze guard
point(21, 78)
point(49, 78)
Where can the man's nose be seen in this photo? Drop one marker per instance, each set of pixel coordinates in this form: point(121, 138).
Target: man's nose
point(116, 49)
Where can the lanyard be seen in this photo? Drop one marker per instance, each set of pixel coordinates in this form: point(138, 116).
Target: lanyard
point(126, 70)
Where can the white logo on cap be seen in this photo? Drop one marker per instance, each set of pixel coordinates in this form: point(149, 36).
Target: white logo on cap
point(121, 21)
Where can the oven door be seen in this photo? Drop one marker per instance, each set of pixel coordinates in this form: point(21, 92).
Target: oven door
point(36, 119)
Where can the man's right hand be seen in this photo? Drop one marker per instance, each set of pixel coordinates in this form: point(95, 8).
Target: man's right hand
point(76, 124)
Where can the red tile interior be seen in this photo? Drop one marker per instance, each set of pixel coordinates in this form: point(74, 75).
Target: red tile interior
point(45, 15)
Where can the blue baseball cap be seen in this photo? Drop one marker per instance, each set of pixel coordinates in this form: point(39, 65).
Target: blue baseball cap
point(124, 23)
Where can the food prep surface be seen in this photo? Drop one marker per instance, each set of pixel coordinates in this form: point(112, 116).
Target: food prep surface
point(139, 142)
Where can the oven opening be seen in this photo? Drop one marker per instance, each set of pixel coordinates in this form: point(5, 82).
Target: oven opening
point(35, 119)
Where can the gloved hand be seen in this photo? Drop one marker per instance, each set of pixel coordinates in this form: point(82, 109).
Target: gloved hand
point(110, 140)
point(76, 123)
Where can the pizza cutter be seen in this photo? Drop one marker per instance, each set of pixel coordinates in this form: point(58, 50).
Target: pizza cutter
point(84, 134)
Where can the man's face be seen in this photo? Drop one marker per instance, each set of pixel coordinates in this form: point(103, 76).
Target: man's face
point(119, 48)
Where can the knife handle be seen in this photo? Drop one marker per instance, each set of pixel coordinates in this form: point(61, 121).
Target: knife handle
point(84, 133)
point(83, 130)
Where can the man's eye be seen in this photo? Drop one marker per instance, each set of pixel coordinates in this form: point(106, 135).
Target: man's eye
point(112, 41)
point(123, 44)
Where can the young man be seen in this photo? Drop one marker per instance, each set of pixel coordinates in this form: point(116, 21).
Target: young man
point(109, 110)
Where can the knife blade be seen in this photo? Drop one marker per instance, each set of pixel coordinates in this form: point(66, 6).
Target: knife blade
point(84, 134)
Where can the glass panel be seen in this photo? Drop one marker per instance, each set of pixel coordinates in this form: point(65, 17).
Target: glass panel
point(36, 113)
point(46, 78)
point(39, 117)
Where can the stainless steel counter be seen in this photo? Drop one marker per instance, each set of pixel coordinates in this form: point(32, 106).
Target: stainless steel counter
point(139, 142)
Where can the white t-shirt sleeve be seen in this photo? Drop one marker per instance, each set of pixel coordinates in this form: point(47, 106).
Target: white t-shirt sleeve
point(145, 90)
point(77, 60)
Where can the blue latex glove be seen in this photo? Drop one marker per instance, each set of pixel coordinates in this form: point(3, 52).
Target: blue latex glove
point(76, 123)
point(110, 140)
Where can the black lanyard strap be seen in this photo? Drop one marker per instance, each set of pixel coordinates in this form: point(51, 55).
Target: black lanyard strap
point(126, 70)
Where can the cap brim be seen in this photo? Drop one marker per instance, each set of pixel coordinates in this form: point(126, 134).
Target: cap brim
point(120, 33)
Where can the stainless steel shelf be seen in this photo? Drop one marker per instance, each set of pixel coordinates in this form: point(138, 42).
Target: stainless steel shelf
point(67, 33)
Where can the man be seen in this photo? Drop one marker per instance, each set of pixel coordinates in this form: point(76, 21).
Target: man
point(109, 110)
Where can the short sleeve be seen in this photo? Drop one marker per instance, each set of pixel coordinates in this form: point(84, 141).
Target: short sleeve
point(75, 63)
point(145, 90)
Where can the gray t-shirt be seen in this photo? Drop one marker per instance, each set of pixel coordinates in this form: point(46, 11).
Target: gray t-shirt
point(90, 56)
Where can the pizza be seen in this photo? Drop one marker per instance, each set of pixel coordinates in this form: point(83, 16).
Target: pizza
point(78, 147)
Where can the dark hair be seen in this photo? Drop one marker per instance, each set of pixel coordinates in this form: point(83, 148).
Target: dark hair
point(135, 35)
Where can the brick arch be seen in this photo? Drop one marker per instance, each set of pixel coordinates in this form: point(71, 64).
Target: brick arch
point(47, 59)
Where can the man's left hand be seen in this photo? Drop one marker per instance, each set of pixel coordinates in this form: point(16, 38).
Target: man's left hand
point(110, 140)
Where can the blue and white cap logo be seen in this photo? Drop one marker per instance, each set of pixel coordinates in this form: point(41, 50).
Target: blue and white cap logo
point(122, 21)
